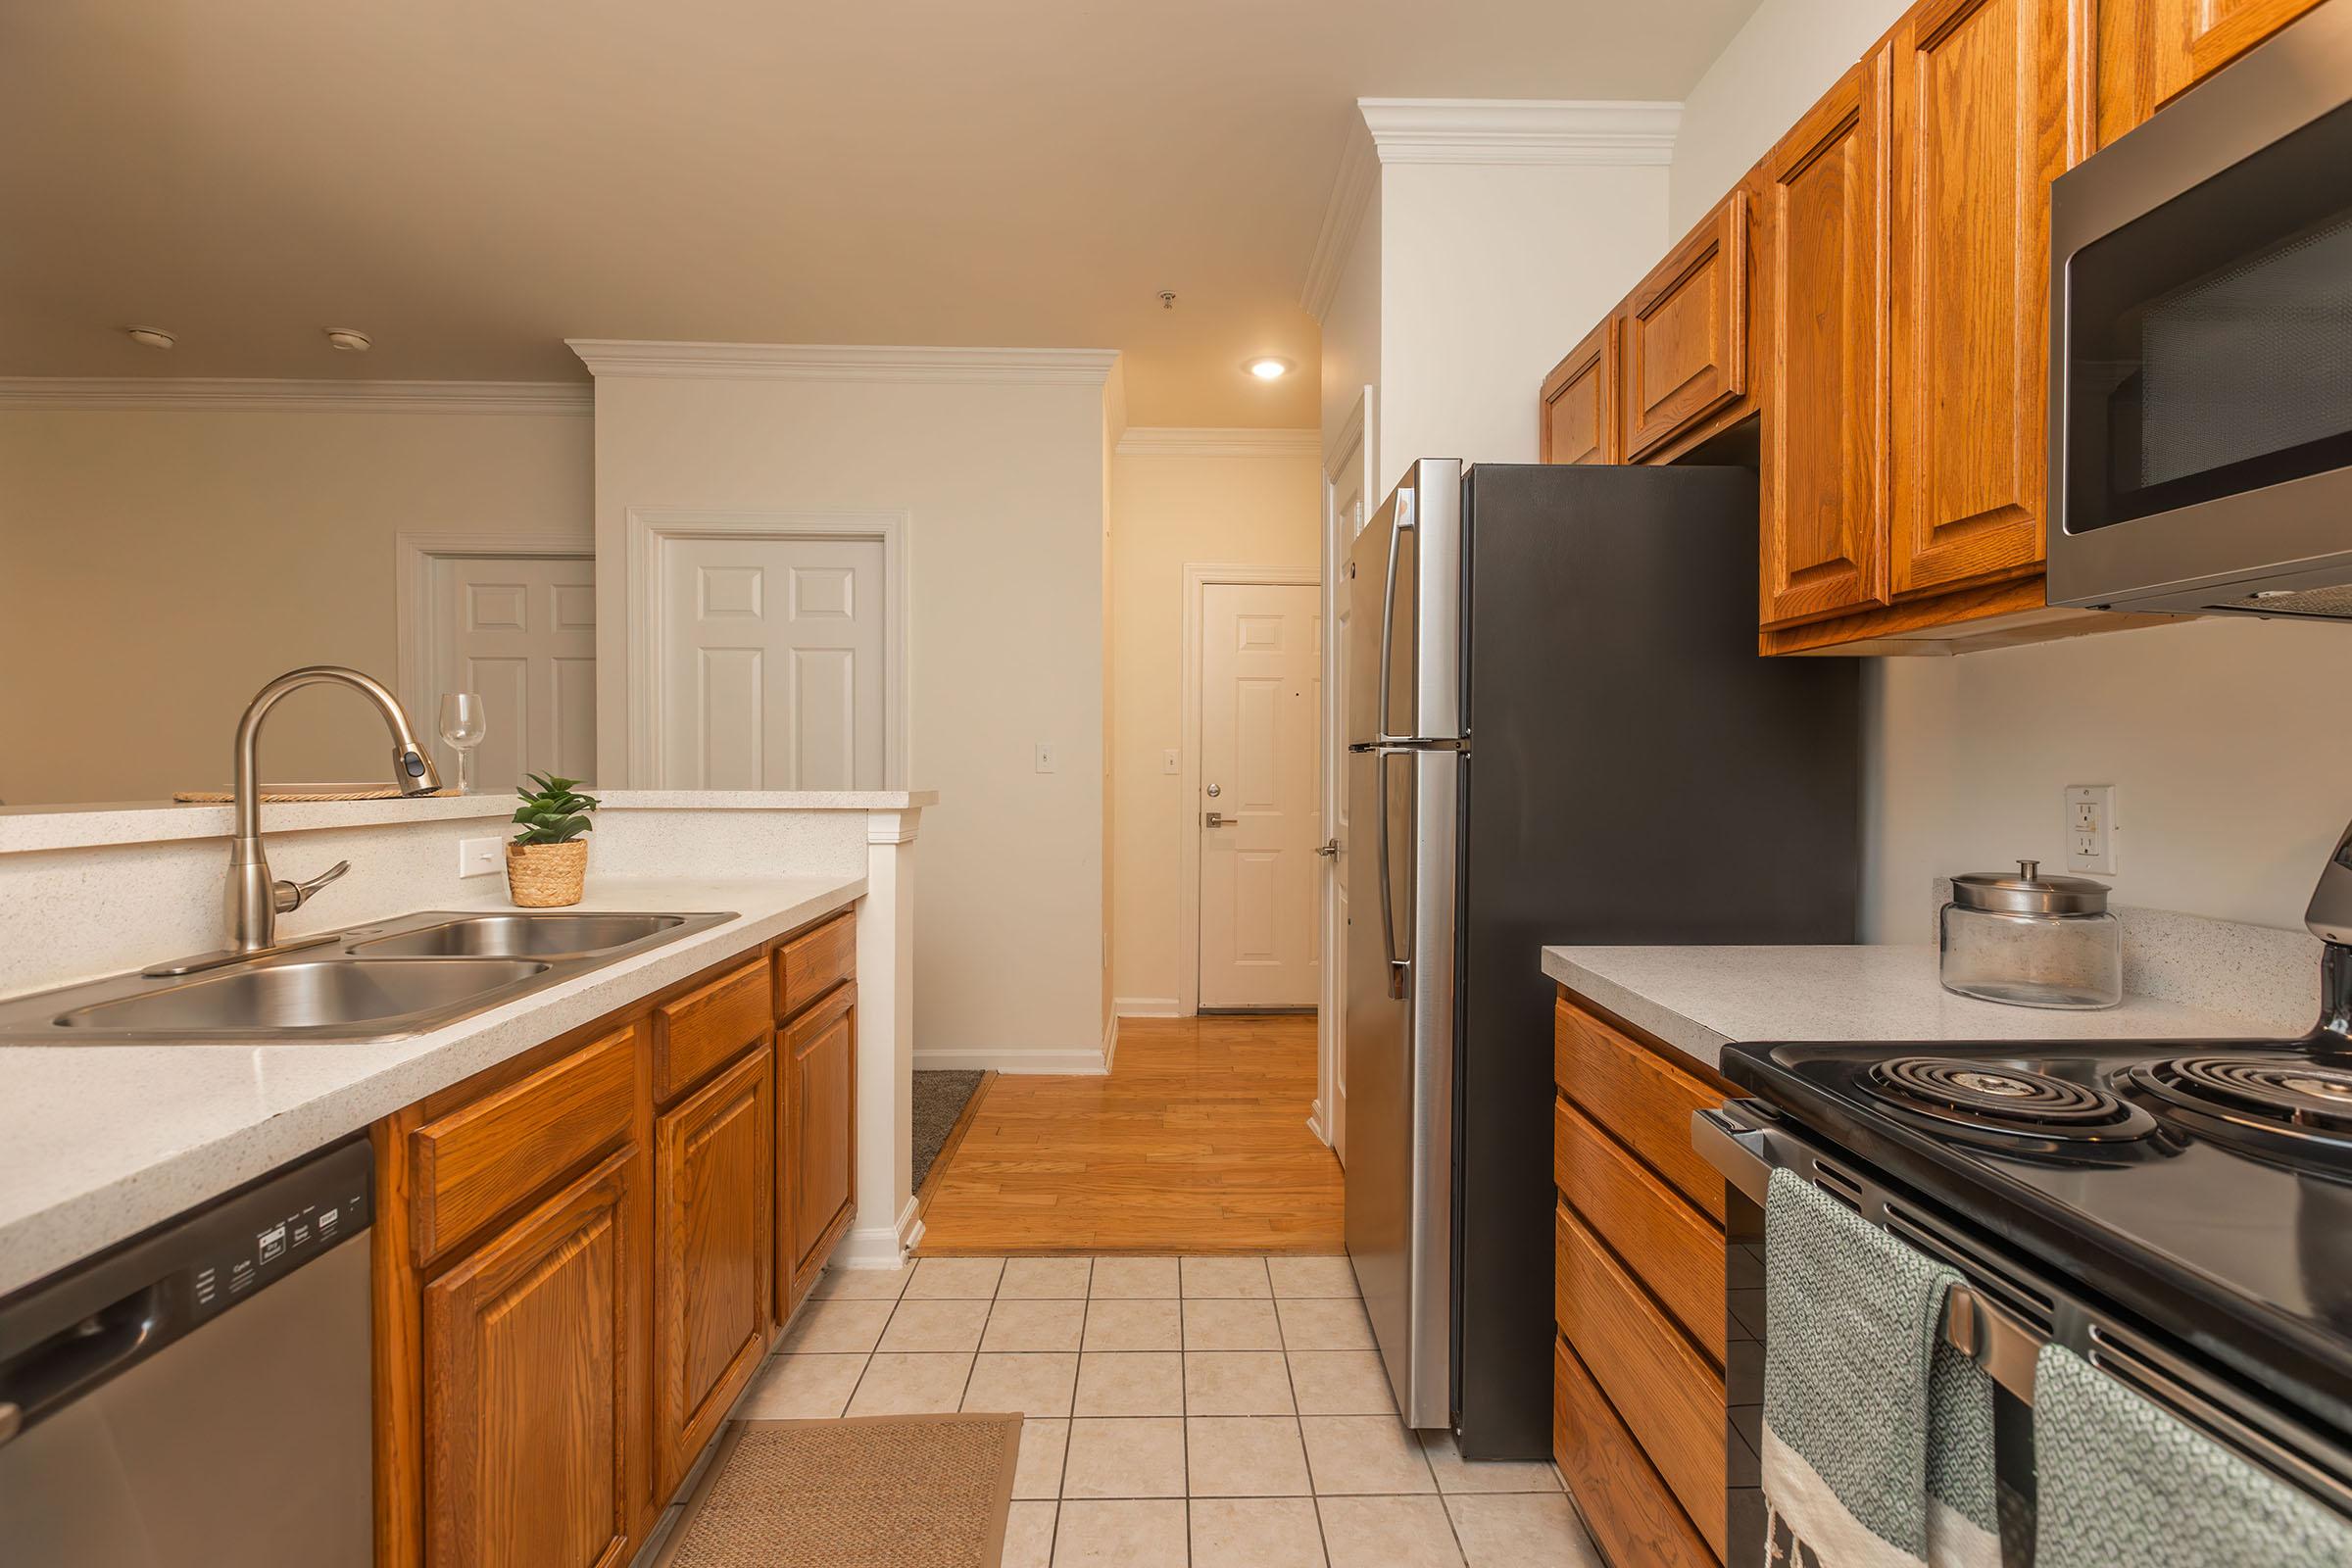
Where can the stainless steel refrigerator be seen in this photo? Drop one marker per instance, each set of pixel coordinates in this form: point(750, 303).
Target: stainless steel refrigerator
point(1560, 732)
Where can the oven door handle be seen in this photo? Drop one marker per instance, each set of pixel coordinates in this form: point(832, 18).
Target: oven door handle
point(1737, 1151)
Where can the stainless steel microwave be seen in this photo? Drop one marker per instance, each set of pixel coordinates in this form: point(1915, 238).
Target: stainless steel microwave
point(2201, 352)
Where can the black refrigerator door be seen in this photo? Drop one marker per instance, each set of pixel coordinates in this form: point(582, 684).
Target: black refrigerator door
point(1636, 774)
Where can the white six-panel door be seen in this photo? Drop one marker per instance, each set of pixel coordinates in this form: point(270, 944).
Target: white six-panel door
point(772, 664)
point(1261, 704)
point(521, 631)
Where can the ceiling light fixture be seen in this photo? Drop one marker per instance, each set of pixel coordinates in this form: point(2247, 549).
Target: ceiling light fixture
point(348, 340)
point(151, 337)
point(1268, 367)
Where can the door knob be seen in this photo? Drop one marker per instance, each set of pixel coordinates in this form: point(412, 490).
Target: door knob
point(1214, 792)
point(1328, 849)
point(1220, 819)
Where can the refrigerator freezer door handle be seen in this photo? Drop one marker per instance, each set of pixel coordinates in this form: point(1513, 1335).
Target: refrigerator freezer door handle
point(1388, 609)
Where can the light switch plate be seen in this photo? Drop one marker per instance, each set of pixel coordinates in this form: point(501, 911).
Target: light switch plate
point(1169, 762)
point(1045, 756)
point(479, 857)
point(2091, 828)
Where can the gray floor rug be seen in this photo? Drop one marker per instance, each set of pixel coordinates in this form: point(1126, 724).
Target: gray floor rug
point(938, 1099)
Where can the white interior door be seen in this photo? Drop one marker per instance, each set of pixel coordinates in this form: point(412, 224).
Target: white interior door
point(1260, 810)
point(1347, 498)
point(521, 631)
point(772, 663)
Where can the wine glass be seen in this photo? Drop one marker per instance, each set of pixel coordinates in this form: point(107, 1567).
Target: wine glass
point(463, 725)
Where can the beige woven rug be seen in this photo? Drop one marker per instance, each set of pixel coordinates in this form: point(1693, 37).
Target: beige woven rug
point(871, 1492)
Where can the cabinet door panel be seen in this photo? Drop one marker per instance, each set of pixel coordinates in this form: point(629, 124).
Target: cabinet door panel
point(1580, 402)
point(528, 1350)
point(2219, 30)
point(714, 1235)
point(1685, 331)
point(819, 1054)
point(1824, 454)
point(1979, 131)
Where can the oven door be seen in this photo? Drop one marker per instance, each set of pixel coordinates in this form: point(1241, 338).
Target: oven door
point(2201, 394)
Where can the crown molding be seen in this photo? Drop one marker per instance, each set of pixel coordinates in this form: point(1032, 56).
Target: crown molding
point(243, 395)
point(826, 362)
point(1520, 130)
point(1343, 219)
point(1203, 441)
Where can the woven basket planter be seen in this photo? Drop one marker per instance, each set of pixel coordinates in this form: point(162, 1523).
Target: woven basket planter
point(547, 876)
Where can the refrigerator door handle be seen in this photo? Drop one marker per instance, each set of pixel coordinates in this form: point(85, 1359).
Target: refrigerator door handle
point(1388, 611)
point(1399, 966)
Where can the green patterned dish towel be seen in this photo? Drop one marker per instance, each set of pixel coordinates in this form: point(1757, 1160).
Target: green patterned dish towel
point(1878, 1435)
point(2124, 1482)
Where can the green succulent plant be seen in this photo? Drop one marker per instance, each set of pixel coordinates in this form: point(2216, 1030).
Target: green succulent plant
point(552, 814)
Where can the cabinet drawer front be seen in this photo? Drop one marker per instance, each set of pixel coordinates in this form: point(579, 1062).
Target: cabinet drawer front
point(814, 962)
point(1669, 1245)
point(1632, 1514)
point(1641, 1098)
point(714, 1239)
point(708, 1026)
point(1580, 401)
point(1685, 331)
point(529, 1395)
point(477, 1162)
point(1663, 1390)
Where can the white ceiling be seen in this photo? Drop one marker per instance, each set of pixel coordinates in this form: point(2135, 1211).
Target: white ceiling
point(473, 182)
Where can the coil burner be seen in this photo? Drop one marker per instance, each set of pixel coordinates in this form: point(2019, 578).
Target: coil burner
point(2282, 1106)
point(2006, 1099)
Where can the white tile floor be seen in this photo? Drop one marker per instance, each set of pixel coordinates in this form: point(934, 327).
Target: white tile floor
point(1208, 1412)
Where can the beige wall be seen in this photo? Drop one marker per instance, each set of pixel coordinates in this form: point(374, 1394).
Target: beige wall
point(2220, 736)
point(1167, 512)
point(158, 567)
point(1000, 486)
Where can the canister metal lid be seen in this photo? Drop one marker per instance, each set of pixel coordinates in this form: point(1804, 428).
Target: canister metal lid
point(2029, 892)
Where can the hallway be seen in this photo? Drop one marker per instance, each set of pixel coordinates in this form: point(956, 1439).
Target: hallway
point(1196, 1142)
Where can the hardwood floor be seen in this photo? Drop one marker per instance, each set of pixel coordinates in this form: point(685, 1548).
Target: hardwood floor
point(1196, 1142)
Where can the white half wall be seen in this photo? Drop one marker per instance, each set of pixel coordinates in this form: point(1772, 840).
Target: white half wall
point(1000, 480)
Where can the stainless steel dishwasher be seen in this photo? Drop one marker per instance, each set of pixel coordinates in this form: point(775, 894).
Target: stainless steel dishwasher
point(200, 1393)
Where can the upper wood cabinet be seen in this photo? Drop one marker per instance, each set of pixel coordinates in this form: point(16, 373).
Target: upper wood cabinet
point(1824, 520)
point(1684, 333)
point(2148, 52)
point(1580, 402)
point(533, 1459)
point(713, 1240)
point(818, 1056)
point(1979, 119)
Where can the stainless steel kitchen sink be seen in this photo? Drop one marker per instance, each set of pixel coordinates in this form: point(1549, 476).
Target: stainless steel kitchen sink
point(382, 981)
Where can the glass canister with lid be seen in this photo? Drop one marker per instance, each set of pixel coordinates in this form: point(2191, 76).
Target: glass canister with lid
point(2032, 941)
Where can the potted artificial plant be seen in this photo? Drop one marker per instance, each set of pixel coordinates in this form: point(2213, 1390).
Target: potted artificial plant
point(547, 861)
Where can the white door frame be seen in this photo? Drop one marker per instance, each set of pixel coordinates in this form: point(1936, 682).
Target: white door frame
point(415, 556)
point(1196, 581)
point(1352, 444)
point(649, 527)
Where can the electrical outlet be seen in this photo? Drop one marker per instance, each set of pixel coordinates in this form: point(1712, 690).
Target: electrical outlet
point(1169, 762)
point(2091, 828)
point(479, 857)
point(1045, 756)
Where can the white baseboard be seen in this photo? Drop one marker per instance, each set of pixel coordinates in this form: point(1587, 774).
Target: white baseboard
point(1147, 1007)
point(1082, 1060)
point(880, 1246)
point(1314, 1123)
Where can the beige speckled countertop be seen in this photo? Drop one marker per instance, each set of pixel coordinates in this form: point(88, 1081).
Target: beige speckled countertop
point(97, 1143)
point(1699, 1000)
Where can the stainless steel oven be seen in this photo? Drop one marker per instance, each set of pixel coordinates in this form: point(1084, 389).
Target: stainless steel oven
point(2201, 361)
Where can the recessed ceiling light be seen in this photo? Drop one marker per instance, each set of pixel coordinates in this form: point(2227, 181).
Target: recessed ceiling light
point(348, 340)
point(1268, 367)
point(151, 337)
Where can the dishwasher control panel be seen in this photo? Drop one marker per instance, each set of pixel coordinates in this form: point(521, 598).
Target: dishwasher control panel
point(279, 1227)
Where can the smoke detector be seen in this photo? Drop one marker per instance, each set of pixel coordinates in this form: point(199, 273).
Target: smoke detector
point(151, 337)
point(346, 339)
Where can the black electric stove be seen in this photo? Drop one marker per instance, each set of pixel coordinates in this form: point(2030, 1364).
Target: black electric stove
point(2204, 1186)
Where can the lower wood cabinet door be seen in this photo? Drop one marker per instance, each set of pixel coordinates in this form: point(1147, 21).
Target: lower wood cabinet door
point(818, 1155)
point(532, 1450)
point(714, 1236)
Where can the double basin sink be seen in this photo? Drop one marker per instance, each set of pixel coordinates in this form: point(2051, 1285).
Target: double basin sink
point(370, 983)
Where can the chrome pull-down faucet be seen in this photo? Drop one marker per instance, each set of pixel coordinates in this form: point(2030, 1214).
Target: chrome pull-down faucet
point(255, 900)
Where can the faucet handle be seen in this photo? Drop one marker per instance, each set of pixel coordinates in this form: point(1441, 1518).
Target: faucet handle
point(291, 896)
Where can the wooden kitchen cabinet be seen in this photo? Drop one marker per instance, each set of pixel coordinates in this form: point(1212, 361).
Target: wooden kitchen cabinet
point(2149, 52)
point(533, 1456)
point(1580, 402)
point(1684, 333)
point(818, 1056)
point(1979, 131)
point(1823, 511)
point(714, 1253)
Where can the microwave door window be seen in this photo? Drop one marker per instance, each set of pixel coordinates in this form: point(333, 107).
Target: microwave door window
point(2211, 338)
